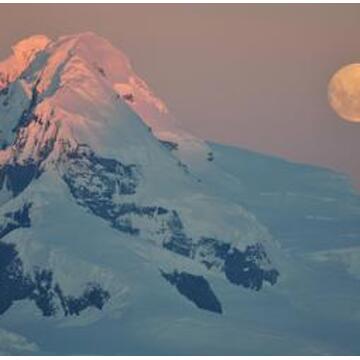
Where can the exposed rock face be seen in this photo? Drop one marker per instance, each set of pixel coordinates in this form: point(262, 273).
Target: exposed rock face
point(196, 289)
point(114, 219)
point(73, 111)
point(39, 287)
point(14, 220)
point(95, 182)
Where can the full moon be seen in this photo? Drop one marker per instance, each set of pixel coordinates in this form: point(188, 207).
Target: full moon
point(344, 92)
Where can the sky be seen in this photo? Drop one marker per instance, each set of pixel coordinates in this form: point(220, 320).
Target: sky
point(254, 76)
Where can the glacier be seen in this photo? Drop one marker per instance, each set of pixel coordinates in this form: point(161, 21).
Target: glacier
point(123, 234)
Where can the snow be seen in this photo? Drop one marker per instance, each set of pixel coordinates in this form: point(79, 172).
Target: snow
point(24, 52)
point(301, 215)
point(12, 343)
point(348, 257)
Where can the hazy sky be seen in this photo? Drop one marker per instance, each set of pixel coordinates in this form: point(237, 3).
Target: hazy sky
point(250, 75)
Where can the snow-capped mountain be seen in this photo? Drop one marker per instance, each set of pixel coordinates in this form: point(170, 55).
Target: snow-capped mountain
point(119, 227)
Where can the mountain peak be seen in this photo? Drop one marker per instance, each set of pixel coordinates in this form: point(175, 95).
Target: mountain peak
point(24, 52)
point(95, 48)
point(26, 49)
point(83, 76)
point(104, 202)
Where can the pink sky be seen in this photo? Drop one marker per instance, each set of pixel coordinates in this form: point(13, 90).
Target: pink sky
point(251, 75)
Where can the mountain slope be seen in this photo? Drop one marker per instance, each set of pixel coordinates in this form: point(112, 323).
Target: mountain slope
point(114, 221)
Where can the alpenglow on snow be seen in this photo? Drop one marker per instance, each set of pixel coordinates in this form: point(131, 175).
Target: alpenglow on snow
point(121, 233)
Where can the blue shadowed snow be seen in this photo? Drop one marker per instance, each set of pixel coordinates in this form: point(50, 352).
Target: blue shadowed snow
point(94, 181)
point(306, 208)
